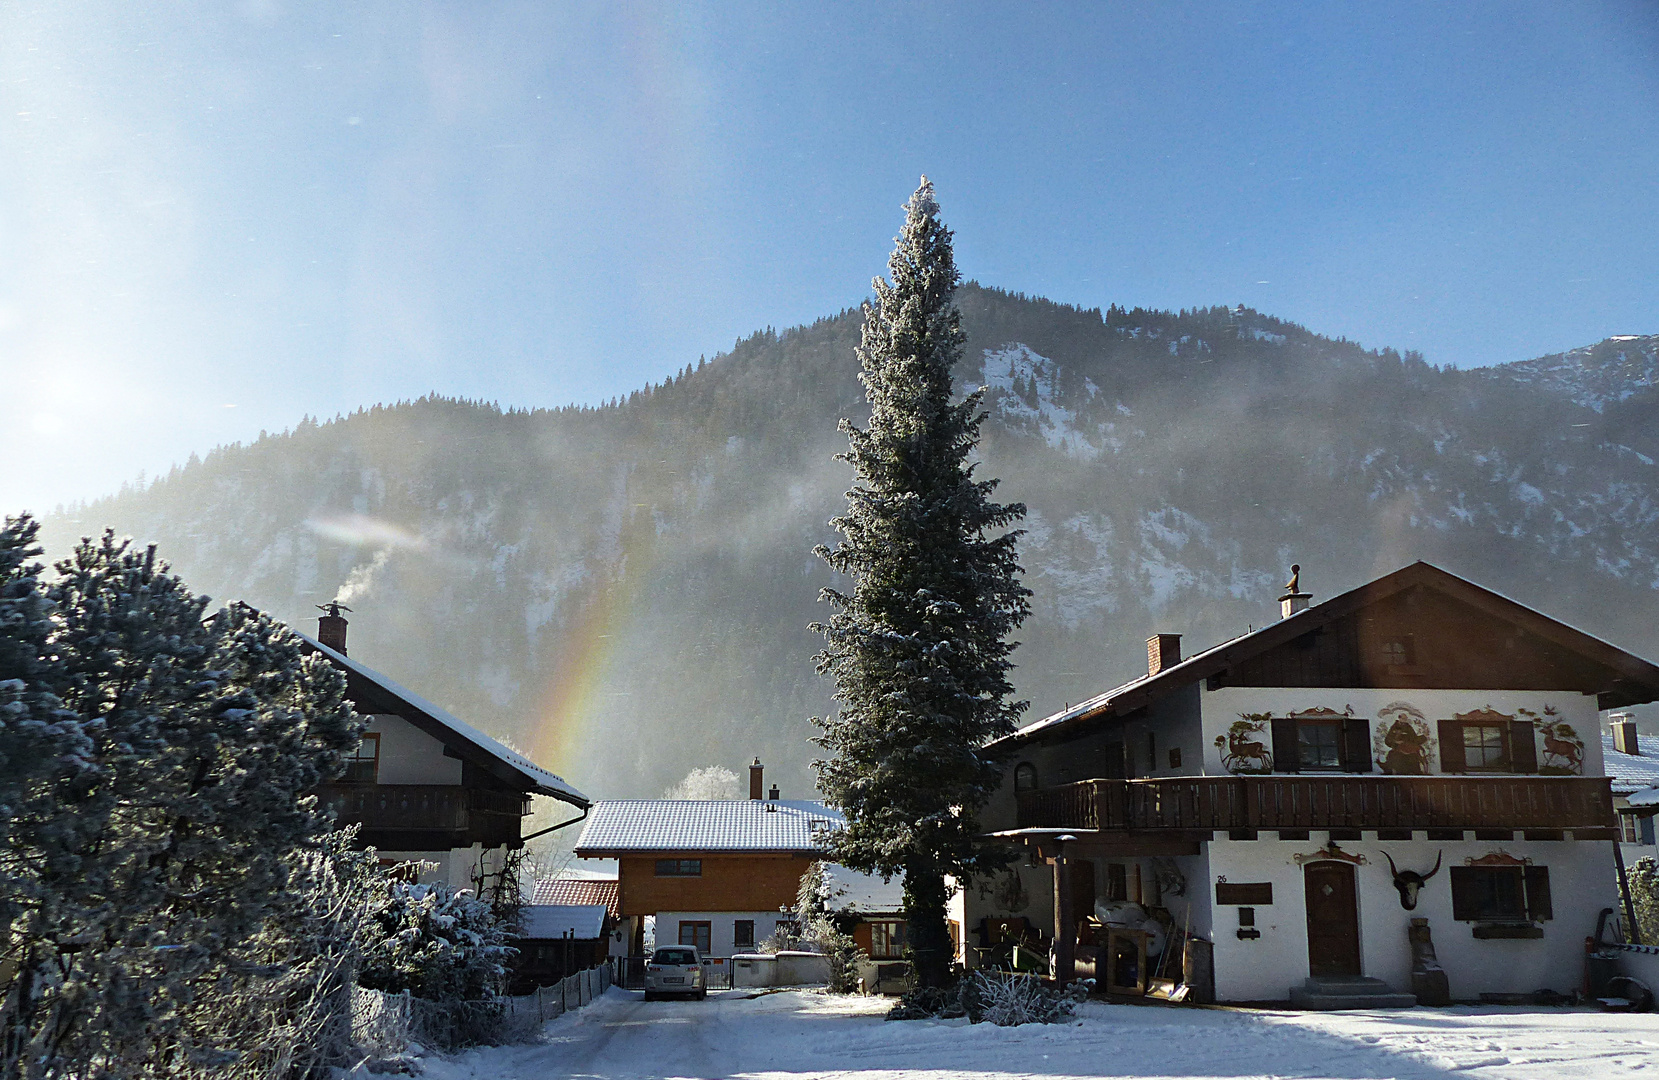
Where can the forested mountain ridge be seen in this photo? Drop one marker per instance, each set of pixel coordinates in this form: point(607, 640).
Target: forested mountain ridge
point(624, 590)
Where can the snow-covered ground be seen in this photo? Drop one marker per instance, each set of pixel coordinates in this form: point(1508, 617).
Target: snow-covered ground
point(796, 1034)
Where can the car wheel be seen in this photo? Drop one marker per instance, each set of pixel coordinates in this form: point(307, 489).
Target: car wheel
point(649, 996)
point(702, 994)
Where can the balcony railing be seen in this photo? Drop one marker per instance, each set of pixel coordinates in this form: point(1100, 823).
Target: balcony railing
point(1209, 803)
point(424, 807)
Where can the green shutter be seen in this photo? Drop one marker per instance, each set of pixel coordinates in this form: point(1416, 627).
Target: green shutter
point(1538, 893)
point(1356, 744)
point(1466, 901)
point(1523, 748)
point(1286, 757)
point(1451, 747)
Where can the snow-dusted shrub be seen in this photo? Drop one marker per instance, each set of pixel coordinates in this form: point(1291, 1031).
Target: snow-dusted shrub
point(438, 943)
point(1643, 877)
point(1007, 998)
point(708, 783)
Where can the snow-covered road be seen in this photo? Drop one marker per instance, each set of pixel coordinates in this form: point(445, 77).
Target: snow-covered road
point(799, 1035)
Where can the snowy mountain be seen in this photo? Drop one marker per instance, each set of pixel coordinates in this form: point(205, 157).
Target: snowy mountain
point(623, 592)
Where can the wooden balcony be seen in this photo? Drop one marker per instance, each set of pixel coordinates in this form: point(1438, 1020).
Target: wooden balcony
point(421, 807)
point(1204, 804)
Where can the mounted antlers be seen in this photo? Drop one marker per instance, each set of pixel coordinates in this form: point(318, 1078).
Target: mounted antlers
point(1410, 882)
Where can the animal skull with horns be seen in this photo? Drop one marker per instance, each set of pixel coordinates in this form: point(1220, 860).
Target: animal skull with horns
point(1410, 882)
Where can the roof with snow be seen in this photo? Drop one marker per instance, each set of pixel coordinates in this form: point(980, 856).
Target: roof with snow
point(863, 894)
point(616, 826)
point(371, 692)
point(544, 922)
point(567, 890)
point(1632, 772)
point(1629, 679)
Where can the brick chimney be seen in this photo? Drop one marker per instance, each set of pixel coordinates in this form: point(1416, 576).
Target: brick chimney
point(1162, 651)
point(331, 627)
point(1294, 599)
point(755, 788)
point(1624, 734)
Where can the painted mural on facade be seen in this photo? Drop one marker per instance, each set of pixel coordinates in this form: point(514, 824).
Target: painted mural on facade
point(1563, 748)
point(1404, 742)
point(1244, 748)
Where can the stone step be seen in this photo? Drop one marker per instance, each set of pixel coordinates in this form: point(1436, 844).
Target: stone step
point(1349, 992)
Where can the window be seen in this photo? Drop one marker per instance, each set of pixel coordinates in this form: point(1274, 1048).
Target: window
point(697, 934)
point(743, 933)
point(1484, 748)
point(1117, 882)
point(1175, 758)
point(364, 765)
point(1501, 893)
point(1319, 745)
point(886, 940)
point(679, 867)
point(1627, 829)
point(1025, 776)
point(1401, 653)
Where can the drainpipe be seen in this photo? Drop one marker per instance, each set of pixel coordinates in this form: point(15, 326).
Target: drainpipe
point(554, 828)
point(1635, 931)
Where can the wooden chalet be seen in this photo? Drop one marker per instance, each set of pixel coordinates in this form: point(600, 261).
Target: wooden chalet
point(1397, 792)
point(426, 787)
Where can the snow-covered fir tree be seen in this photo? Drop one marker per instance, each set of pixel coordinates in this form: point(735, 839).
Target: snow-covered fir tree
point(919, 646)
point(170, 850)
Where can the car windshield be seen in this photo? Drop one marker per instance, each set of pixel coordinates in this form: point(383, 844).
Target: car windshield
point(676, 956)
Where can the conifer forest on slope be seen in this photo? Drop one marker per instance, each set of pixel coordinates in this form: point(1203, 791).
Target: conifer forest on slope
point(624, 591)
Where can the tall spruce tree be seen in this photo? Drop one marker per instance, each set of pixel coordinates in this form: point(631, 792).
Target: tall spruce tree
point(919, 647)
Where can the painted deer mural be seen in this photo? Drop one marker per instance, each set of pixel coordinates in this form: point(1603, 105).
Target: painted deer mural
point(1242, 748)
point(1410, 882)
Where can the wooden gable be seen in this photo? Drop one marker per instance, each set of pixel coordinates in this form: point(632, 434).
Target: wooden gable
point(1431, 636)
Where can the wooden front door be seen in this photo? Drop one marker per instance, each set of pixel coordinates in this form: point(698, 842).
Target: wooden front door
point(1333, 919)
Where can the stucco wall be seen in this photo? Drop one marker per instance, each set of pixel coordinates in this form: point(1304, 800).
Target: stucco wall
point(722, 928)
point(1581, 885)
point(1221, 708)
point(409, 755)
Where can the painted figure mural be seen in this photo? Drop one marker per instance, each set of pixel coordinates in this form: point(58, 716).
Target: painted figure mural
point(1563, 748)
point(1404, 741)
point(1244, 748)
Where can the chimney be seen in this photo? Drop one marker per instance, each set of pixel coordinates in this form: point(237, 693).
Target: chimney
point(773, 794)
point(1162, 651)
point(331, 627)
point(1294, 599)
point(754, 780)
point(1624, 734)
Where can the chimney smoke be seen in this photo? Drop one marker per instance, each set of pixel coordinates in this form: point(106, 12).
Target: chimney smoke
point(755, 787)
point(331, 627)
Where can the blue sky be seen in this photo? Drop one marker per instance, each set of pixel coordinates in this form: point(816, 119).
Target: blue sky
point(215, 219)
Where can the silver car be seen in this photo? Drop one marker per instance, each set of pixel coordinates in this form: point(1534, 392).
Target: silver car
point(675, 969)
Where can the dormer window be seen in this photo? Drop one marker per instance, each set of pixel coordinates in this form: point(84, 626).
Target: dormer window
point(363, 766)
point(1025, 776)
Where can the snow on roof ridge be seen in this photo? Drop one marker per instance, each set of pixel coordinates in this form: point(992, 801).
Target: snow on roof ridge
point(706, 825)
point(501, 751)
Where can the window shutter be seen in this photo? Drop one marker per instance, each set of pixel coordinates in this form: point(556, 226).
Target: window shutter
point(1645, 829)
point(1356, 744)
point(1451, 747)
point(1465, 893)
point(1538, 893)
point(1286, 758)
point(1523, 748)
